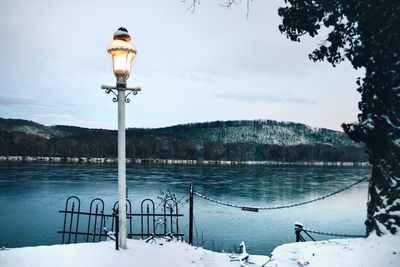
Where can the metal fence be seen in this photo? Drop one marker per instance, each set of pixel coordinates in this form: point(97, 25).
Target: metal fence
point(96, 225)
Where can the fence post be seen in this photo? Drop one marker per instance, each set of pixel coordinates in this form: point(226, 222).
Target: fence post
point(298, 227)
point(115, 213)
point(191, 214)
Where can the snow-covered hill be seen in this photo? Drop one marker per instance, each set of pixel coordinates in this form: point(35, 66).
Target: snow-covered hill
point(28, 127)
point(256, 140)
point(249, 131)
point(256, 131)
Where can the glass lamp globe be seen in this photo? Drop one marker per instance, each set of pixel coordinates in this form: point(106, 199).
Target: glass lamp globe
point(123, 53)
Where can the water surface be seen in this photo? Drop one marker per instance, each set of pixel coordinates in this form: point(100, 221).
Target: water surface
point(31, 194)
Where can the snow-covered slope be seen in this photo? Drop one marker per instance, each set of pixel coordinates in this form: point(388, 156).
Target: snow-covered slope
point(34, 128)
point(256, 131)
point(28, 127)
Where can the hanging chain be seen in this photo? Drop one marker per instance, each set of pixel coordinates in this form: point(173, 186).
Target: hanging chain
point(331, 234)
point(282, 206)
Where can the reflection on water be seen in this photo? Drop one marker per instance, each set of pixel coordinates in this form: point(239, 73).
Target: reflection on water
point(32, 193)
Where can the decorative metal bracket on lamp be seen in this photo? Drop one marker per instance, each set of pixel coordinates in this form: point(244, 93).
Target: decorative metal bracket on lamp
point(114, 89)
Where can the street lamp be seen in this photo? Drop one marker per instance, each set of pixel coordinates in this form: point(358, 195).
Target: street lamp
point(122, 53)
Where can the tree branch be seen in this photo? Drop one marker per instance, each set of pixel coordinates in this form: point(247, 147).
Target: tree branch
point(227, 4)
point(193, 5)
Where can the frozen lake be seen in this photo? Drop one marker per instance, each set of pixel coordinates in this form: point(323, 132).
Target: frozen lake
point(31, 194)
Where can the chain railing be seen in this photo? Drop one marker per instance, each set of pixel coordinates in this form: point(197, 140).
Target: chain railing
point(332, 234)
point(256, 209)
point(298, 229)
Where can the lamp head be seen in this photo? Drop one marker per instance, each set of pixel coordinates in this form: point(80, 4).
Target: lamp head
point(123, 53)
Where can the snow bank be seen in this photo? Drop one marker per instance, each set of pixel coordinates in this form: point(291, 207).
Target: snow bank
point(371, 252)
point(103, 254)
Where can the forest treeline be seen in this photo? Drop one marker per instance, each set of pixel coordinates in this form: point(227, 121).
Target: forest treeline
point(142, 145)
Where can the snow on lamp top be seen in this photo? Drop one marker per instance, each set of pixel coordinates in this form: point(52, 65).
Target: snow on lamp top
point(122, 53)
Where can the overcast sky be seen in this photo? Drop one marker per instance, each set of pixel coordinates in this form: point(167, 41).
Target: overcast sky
point(213, 64)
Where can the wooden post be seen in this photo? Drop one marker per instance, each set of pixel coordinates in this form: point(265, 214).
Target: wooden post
point(191, 214)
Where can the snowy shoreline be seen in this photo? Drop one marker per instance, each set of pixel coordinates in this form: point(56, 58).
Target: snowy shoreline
point(179, 161)
point(103, 254)
point(373, 251)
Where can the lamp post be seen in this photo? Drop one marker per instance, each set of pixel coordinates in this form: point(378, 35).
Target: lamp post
point(122, 53)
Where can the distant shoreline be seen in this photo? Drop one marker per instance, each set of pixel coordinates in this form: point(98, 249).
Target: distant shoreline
point(178, 161)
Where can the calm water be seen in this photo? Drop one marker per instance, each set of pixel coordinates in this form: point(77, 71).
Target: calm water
point(32, 193)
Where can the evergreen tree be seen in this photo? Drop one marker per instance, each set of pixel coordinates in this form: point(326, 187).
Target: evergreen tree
point(367, 34)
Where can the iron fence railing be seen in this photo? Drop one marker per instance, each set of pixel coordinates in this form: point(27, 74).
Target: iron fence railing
point(96, 225)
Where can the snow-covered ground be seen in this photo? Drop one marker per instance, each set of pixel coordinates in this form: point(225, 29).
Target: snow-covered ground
point(371, 252)
point(358, 252)
point(103, 254)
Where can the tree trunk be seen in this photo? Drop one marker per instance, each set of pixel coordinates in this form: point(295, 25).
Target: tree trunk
point(383, 210)
point(379, 130)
